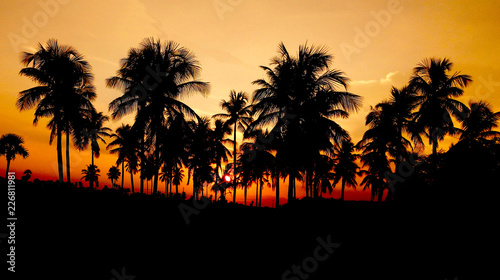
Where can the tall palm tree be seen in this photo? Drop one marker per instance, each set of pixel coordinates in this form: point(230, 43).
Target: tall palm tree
point(299, 100)
point(346, 168)
point(154, 77)
point(64, 93)
point(238, 114)
point(222, 153)
point(478, 122)
point(91, 175)
point(113, 174)
point(436, 90)
point(10, 146)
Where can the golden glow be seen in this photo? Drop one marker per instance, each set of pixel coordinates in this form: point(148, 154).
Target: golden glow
point(376, 43)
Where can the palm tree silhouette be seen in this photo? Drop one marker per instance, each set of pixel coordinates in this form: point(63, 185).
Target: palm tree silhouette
point(177, 177)
point(64, 93)
point(126, 145)
point(153, 78)
point(93, 132)
point(174, 146)
point(27, 175)
point(91, 175)
point(113, 174)
point(201, 154)
point(238, 115)
point(346, 169)
point(300, 98)
point(10, 146)
point(478, 123)
point(436, 89)
point(222, 153)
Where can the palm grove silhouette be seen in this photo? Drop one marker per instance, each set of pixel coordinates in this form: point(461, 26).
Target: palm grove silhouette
point(289, 133)
point(288, 124)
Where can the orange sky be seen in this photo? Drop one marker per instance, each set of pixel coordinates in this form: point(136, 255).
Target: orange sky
point(376, 43)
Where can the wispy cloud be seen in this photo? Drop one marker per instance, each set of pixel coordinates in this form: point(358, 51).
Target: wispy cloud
point(387, 79)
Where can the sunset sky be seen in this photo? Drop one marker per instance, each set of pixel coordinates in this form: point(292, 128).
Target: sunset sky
point(376, 43)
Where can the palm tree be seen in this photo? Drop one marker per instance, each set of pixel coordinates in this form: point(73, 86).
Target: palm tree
point(125, 143)
point(64, 93)
point(153, 78)
point(177, 177)
point(113, 174)
point(93, 132)
point(27, 175)
point(201, 154)
point(91, 175)
point(436, 89)
point(478, 123)
point(238, 114)
point(10, 146)
point(346, 169)
point(222, 153)
point(299, 100)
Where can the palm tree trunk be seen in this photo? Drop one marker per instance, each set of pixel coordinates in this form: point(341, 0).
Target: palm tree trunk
point(68, 177)
point(234, 163)
point(257, 194)
point(170, 187)
point(142, 164)
point(434, 147)
point(59, 156)
point(307, 183)
point(342, 192)
point(380, 195)
point(92, 178)
point(155, 183)
point(245, 195)
point(123, 172)
point(177, 189)
point(131, 181)
point(194, 185)
point(278, 190)
point(260, 194)
point(291, 183)
point(7, 170)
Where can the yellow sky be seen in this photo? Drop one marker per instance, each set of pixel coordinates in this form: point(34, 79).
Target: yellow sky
point(376, 43)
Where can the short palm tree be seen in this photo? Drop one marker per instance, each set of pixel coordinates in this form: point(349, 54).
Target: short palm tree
point(436, 90)
point(238, 115)
point(114, 174)
point(177, 177)
point(27, 175)
point(10, 146)
point(91, 175)
point(93, 133)
point(64, 93)
point(346, 168)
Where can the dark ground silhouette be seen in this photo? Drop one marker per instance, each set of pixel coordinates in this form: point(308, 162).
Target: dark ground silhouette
point(65, 232)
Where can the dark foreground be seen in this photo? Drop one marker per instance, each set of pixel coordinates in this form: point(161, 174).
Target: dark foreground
point(68, 233)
